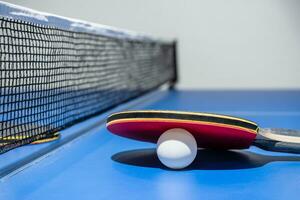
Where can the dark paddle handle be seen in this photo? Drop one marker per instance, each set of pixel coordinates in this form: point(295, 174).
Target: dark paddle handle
point(270, 145)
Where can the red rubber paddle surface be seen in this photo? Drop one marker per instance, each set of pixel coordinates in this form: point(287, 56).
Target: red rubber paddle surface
point(207, 134)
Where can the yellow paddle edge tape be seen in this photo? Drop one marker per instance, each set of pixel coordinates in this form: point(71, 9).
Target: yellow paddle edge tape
point(186, 112)
point(55, 136)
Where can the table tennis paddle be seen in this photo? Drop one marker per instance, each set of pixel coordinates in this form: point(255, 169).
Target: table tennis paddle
point(43, 139)
point(210, 130)
point(15, 136)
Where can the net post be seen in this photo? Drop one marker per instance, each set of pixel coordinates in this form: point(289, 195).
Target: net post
point(174, 80)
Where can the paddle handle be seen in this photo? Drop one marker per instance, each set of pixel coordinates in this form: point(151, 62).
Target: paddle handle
point(279, 134)
point(278, 139)
point(277, 146)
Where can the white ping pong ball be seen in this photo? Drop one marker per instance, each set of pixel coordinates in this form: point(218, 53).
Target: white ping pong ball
point(176, 148)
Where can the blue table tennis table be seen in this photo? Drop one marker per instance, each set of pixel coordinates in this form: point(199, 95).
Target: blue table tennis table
point(90, 163)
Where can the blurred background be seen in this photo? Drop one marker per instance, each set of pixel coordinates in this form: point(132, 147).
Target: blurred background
point(232, 44)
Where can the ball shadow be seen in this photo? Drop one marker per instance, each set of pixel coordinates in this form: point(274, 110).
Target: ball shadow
point(206, 159)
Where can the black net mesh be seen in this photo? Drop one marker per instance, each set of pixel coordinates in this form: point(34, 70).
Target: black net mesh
point(52, 78)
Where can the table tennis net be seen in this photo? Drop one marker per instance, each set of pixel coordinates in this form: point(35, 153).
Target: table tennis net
point(52, 78)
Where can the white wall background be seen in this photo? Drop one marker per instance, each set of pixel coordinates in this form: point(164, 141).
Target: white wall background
point(223, 44)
